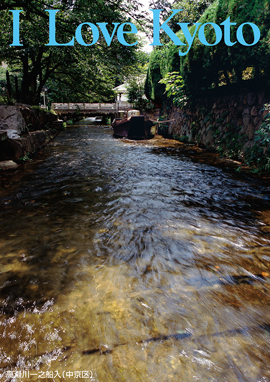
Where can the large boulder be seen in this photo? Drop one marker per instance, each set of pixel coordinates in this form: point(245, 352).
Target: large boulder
point(12, 121)
point(8, 165)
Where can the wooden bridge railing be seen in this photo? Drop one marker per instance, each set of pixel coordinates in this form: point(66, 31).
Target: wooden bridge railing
point(98, 107)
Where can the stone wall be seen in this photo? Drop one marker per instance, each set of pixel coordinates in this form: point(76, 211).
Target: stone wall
point(24, 130)
point(37, 119)
point(225, 121)
point(12, 121)
point(19, 119)
point(24, 147)
point(153, 114)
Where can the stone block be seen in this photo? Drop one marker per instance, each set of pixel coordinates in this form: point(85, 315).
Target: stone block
point(243, 129)
point(247, 145)
point(250, 131)
point(245, 111)
point(246, 120)
point(261, 97)
point(223, 106)
point(256, 120)
point(251, 98)
point(264, 113)
point(253, 112)
point(209, 140)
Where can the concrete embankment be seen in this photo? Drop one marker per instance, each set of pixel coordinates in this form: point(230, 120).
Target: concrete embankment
point(24, 130)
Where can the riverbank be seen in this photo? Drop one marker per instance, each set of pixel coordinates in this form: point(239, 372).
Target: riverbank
point(24, 130)
point(206, 156)
point(233, 121)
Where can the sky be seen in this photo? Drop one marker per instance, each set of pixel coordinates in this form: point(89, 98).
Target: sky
point(147, 47)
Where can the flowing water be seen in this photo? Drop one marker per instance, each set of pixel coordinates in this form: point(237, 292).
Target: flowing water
point(129, 261)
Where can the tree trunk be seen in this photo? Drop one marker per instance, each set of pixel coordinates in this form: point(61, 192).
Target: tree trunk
point(17, 89)
point(8, 87)
point(25, 85)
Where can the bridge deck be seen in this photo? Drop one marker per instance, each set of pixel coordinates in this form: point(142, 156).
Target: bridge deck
point(100, 108)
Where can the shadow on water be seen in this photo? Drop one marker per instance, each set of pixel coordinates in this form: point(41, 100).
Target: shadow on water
point(135, 251)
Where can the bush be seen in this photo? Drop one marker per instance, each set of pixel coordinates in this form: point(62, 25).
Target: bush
point(174, 85)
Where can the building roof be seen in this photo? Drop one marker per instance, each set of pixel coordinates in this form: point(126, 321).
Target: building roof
point(121, 88)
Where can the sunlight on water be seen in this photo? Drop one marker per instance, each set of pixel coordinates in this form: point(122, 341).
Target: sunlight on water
point(128, 261)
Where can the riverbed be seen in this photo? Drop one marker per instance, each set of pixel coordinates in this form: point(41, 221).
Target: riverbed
point(131, 261)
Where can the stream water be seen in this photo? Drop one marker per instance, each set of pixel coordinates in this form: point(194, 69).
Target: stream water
point(129, 261)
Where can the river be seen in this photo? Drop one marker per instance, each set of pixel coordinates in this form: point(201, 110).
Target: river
point(130, 261)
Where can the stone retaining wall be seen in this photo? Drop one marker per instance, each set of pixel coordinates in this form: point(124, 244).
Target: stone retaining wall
point(12, 121)
point(217, 122)
point(37, 119)
point(25, 130)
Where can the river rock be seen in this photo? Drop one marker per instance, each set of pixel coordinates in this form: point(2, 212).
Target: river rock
point(8, 165)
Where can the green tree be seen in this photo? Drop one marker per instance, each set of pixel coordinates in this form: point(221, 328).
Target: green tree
point(87, 71)
point(206, 67)
point(174, 88)
point(191, 12)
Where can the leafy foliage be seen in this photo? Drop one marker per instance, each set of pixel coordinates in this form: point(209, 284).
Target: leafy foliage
point(174, 87)
point(87, 72)
point(136, 95)
point(135, 91)
point(191, 12)
point(203, 66)
point(206, 67)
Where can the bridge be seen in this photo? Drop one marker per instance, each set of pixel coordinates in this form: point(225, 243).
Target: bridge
point(96, 109)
